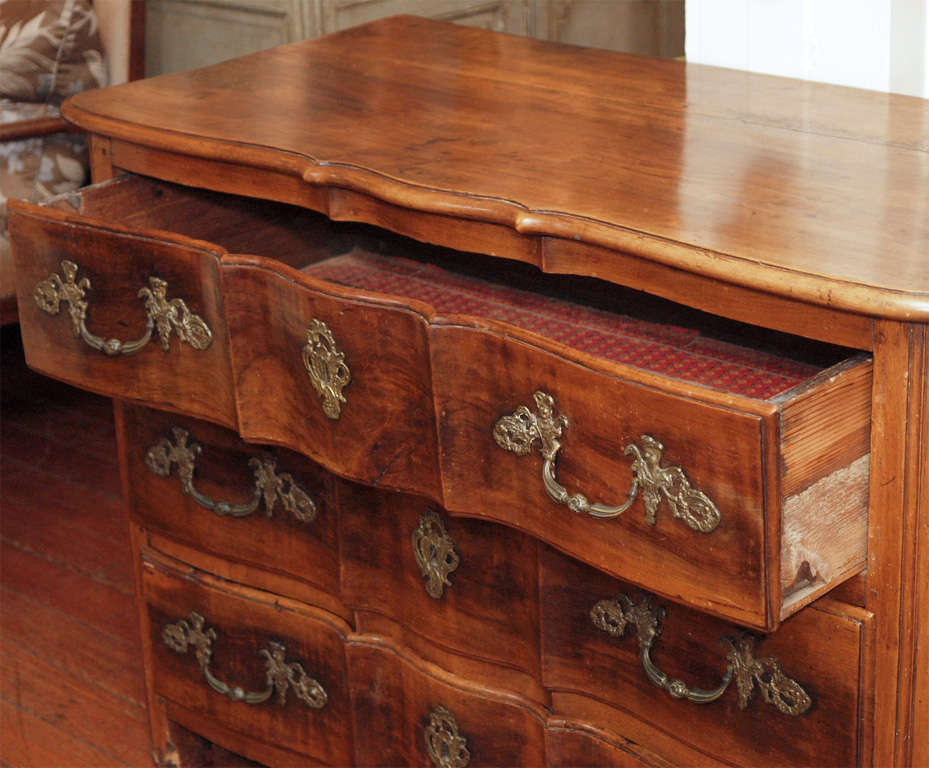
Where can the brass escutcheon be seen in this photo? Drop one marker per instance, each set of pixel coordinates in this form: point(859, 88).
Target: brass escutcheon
point(435, 553)
point(326, 367)
point(446, 747)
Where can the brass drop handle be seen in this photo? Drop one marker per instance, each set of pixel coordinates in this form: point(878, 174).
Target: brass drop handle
point(779, 690)
point(161, 314)
point(434, 552)
point(270, 485)
point(279, 673)
point(518, 432)
point(445, 745)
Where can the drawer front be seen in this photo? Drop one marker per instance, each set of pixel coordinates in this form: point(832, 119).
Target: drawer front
point(744, 473)
point(406, 715)
point(575, 748)
point(199, 484)
point(457, 592)
point(255, 663)
point(132, 314)
point(799, 687)
point(344, 381)
point(481, 378)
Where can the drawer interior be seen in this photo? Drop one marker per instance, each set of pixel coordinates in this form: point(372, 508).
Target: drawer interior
point(686, 352)
point(602, 319)
point(240, 225)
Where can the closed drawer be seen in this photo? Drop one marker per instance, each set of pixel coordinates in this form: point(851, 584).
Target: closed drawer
point(460, 593)
point(120, 307)
point(733, 479)
point(411, 713)
point(201, 485)
point(572, 745)
point(794, 698)
point(254, 663)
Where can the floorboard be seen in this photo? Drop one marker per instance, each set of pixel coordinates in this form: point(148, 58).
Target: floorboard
point(71, 684)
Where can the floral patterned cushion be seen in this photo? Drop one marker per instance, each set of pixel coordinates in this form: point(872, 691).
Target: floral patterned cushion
point(35, 169)
point(48, 51)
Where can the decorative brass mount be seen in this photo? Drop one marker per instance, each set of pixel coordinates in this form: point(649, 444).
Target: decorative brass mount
point(162, 315)
point(269, 484)
point(779, 690)
point(325, 365)
point(518, 431)
point(435, 553)
point(280, 674)
point(446, 747)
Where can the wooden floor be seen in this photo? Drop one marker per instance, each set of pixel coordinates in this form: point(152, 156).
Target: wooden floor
point(71, 691)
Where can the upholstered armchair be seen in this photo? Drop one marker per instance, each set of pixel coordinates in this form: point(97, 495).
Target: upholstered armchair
point(49, 51)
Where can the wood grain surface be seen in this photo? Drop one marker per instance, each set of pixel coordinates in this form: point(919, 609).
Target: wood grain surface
point(820, 648)
point(489, 612)
point(244, 621)
point(119, 262)
point(71, 683)
point(787, 205)
point(394, 693)
point(385, 431)
point(303, 551)
point(807, 191)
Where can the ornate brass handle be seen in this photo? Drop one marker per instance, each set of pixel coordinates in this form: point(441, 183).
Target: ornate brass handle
point(779, 690)
point(326, 367)
point(162, 315)
point(269, 484)
point(435, 553)
point(518, 431)
point(280, 674)
point(446, 747)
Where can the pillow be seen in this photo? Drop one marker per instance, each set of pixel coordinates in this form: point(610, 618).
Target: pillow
point(34, 169)
point(49, 50)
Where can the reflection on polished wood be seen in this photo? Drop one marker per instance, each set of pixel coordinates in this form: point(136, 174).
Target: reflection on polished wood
point(804, 190)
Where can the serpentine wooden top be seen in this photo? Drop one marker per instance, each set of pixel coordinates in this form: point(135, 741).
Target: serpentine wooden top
point(814, 192)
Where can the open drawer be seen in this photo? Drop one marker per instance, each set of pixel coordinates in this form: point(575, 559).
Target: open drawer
point(667, 450)
point(119, 288)
point(112, 298)
point(731, 478)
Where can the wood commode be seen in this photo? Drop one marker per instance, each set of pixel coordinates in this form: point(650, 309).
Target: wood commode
point(482, 401)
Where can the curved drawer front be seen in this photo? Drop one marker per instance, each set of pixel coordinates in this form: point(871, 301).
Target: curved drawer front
point(407, 716)
point(674, 487)
point(458, 592)
point(579, 748)
point(343, 380)
point(248, 660)
point(791, 698)
point(733, 479)
point(129, 313)
point(201, 485)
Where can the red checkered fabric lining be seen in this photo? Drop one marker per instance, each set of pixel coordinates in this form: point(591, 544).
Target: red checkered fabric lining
point(666, 349)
